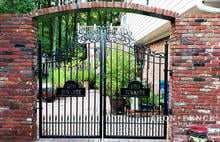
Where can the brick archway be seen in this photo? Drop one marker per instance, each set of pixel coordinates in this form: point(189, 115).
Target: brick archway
point(103, 5)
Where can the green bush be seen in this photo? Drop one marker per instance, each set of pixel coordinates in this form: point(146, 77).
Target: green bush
point(153, 99)
point(85, 75)
point(120, 70)
point(61, 75)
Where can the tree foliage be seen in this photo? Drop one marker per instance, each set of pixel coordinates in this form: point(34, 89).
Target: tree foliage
point(17, 6)
point(120, 70)
point(67, 24)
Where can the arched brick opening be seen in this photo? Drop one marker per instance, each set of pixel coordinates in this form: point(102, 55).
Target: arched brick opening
point(103, 5)
point(192, 81)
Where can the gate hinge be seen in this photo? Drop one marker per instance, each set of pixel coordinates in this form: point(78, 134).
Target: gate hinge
point(35, 110)
point(171, 73)
point(170, 111)
point(36, 73)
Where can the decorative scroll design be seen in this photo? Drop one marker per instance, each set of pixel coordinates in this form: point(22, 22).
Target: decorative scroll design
point(86, 36)
point(94, 35)
point(64, 54)
point(122, 36)
point(149, 52)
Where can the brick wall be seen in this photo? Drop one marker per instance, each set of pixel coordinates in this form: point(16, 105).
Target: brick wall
point(195, 60)
point(17, 80)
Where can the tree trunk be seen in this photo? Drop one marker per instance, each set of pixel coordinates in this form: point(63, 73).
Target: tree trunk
point(105, 17)
point(60, 28)
point(54, 35)
point(89, 19)
point(51, 34)
point(49, 3)
point(54, 38)
point(60, 32)
point(100, 18)
point(50, 28)
point(75, 23)
point(111, 17)
point(42, 29)
point(67, 28)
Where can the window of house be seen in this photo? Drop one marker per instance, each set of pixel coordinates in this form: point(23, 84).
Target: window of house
point(124, 20)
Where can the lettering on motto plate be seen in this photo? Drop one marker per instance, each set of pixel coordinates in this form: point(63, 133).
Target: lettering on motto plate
point(71, 89)
point(135, 89)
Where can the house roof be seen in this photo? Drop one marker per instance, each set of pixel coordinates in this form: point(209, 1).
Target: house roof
point(147, 29)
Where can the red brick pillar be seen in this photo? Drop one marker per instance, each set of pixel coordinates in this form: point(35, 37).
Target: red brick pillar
point(18, 36)
point(195, 60)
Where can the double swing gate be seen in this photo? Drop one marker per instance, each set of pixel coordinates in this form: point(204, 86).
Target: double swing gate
point(103, 85)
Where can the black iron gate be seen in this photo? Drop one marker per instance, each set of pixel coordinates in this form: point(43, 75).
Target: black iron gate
point(103, 85)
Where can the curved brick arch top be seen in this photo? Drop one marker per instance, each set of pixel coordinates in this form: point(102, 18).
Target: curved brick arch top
point(103, 5)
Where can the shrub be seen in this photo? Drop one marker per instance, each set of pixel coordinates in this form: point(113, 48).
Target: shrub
point(120, 70)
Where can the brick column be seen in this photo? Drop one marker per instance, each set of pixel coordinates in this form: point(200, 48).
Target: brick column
point(195, 60)
point(17, 80)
